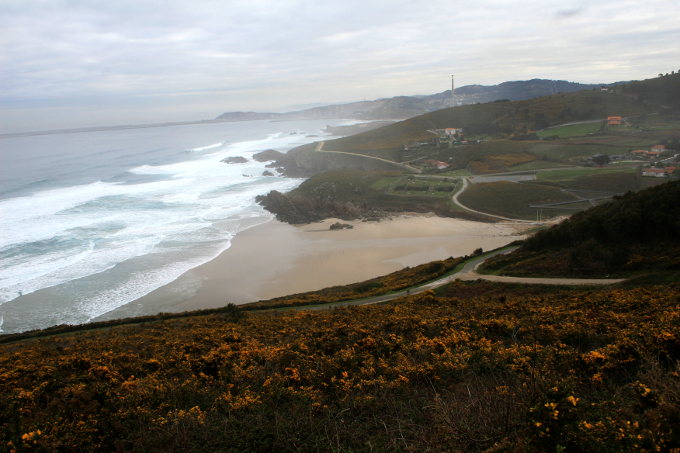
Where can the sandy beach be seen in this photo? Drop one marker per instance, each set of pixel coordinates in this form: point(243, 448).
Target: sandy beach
point(277, 259)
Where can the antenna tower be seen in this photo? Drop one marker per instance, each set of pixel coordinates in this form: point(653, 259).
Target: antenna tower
point(453, 89)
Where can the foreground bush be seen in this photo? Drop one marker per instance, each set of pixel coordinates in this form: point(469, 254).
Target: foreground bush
point(560, 371)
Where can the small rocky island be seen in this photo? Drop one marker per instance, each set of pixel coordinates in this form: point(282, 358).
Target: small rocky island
point(234, 160)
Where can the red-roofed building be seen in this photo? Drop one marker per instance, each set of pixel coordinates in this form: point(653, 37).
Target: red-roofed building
point(645, 153)
point(658, 172)
point(614, 120)
point(659, 148)
point(654, 172)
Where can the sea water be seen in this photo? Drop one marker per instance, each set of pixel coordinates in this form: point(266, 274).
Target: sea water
point(91, 221)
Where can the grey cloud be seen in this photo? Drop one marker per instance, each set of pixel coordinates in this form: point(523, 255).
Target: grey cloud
point(570, 12)
point(240, 54)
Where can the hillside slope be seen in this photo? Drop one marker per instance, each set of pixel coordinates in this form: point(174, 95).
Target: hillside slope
point(638, 232)
point(508, 118)
point(502, 370)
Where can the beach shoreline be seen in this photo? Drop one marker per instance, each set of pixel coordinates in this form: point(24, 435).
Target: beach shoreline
point(275, 259)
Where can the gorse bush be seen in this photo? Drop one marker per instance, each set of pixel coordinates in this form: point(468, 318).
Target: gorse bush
point(563, 370)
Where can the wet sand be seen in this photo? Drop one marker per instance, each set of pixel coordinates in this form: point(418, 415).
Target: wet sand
point(277, 259)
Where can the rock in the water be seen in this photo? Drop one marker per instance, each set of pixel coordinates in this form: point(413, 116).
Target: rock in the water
point(341, 226)
point(235, 160)
point(267, 155)
point(267, 173)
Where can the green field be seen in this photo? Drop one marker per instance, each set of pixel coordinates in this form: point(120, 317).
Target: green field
point(615, 179)
point(409, 185)
point(460, 172)
point(511, 199)
point(539, 165)
point(573, 173)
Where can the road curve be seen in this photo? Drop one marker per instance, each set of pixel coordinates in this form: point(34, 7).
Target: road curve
point(462, 206)
point(468, 273)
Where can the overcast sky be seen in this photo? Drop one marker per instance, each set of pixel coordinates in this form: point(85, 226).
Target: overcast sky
point(72, 63)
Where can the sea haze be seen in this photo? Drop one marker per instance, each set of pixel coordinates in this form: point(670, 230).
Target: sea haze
point(91, 221)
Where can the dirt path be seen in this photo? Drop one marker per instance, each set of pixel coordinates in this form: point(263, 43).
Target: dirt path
point(320, 145)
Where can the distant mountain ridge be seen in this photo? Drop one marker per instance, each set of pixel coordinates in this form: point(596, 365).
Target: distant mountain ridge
point(400, 107)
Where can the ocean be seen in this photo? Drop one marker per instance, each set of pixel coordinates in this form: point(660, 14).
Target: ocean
point(91, 221)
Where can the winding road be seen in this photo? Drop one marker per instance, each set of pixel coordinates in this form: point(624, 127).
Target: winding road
point(320, 149)
point(462, 206)
point(468, 273)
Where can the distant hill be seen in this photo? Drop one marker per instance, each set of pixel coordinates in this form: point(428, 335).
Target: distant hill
point(401, 107)
point(506, 118)
point(517, 91)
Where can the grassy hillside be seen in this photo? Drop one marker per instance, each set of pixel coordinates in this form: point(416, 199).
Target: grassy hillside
point(663, 90)
point(509, 199)
point(637, 232)
point(508, 117)
point(354, 194)
point(508, 137)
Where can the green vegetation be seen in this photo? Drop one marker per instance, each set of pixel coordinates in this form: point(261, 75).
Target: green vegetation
point(570, 174)
point(472, 369)
point(509, 199)
point(572, 130)
point(354, 194)
point(494, 118)
point(594, 182)
point(413, 185)
point(636, 233)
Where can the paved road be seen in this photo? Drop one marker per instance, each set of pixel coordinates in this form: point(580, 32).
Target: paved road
point(467, 273)
point(462, 206)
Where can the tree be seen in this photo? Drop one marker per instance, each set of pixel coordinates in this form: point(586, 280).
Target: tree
point(601, 159)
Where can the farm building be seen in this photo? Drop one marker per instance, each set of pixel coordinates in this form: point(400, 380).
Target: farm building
point(614, 120)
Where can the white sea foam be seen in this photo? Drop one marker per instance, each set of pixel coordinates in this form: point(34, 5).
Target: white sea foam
point(205, 148)
point(104, 244)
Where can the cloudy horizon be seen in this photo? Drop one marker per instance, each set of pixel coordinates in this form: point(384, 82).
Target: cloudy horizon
point(69, 63)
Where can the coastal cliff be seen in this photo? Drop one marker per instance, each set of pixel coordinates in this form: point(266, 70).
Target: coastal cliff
point(353, 194)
